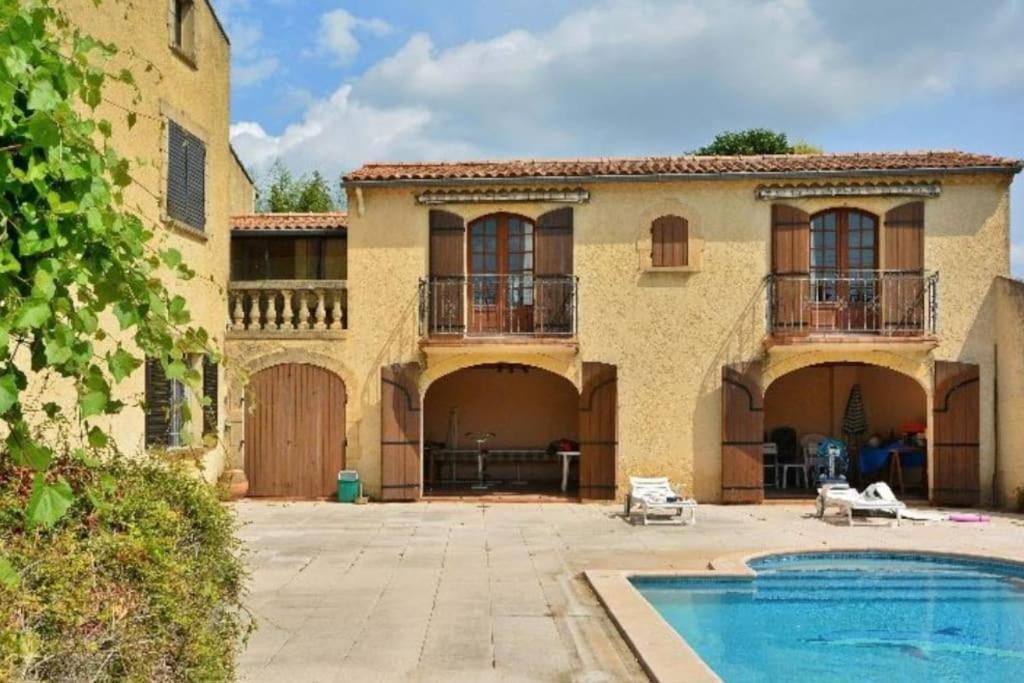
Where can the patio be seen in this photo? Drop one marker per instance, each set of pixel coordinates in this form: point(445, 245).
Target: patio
point(472, 592)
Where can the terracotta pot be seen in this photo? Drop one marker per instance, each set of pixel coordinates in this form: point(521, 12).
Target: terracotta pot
point(237, 484)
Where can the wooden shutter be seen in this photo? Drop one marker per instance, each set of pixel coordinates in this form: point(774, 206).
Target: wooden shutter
point(400, 432)
point(186, 177)
point(211, 392)
point(196, 183)
point(447, 273)
point(670, 242)
point(553, 269)
point(742, 434)
point(903, 287)
point(791, 266)
point(177, 172)
point(158, 405)
point(598, 441)
point(956, 427)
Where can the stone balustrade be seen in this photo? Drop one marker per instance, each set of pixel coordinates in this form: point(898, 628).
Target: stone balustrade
point(282, 307)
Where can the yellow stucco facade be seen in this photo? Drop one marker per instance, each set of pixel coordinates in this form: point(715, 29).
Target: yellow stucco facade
point(668, 333)
point(192, 88)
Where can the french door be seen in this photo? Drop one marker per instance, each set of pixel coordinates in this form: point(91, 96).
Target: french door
point(844, 270)
point(501, 275)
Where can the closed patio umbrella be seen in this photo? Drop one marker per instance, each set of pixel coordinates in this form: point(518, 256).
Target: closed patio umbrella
point(855, 422)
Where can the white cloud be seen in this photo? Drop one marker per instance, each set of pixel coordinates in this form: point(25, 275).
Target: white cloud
point(337, 35)
point(643, 77)
point(253, 72)
point(338, 134)
point(1017, 259)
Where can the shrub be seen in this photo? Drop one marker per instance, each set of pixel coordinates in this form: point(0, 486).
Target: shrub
point(142, 579)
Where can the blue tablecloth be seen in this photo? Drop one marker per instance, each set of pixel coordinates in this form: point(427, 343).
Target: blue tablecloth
point(871, 460)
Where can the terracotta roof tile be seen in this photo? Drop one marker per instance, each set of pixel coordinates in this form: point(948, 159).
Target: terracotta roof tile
point(684, 165)
point(274, 222)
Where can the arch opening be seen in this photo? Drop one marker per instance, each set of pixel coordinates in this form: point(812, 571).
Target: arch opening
point(888, 439)
point(501, 429)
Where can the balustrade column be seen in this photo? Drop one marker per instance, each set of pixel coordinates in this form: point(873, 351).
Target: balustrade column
point(303, 310)
point(336, 310)
point(255, 316)
point(271, 322)
point(287, 323)
point(238, 314)
point(321, 311)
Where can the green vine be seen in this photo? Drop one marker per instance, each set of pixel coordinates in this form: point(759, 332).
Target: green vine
point(74, 259)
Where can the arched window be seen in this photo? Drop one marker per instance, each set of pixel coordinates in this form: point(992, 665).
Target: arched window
point(670, 242)
point(501, 248)
point(844, 255)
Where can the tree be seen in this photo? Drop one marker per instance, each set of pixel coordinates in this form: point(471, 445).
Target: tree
point(752, 141)
point(804, 147)
point(307, 194)
point(71, 254)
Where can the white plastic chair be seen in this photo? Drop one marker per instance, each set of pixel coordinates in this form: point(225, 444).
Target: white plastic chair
point(809, 446)
point(655, 496)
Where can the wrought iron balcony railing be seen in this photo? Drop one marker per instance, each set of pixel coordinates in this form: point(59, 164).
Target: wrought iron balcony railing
point(523, 305)
point(283, 306)
point(894, 303)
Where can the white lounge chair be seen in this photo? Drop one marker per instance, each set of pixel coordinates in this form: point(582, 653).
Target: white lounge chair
point(877, 497)
point(655, 496)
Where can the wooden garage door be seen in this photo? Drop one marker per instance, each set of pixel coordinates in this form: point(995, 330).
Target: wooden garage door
point(956, 425)
point(294, 431)
point(742, 434)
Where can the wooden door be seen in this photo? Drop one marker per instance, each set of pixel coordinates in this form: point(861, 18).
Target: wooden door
point(791, 266)
point(742, 434)
point(956, 426)
point(501, 267)
point(294, 431)
point(400, 432)
point(903, 300)
point(447, 273)
point(598, 440)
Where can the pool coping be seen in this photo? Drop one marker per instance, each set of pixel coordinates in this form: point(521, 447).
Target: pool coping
point(662, 652)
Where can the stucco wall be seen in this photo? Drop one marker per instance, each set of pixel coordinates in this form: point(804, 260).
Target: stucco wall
point(197, 97)
point(1009, 340)
point(668, 333)
point(241, 190)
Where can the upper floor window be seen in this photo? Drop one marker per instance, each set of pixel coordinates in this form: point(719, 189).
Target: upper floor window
point(670, 242)
point(288, 258)
point(186, 177)
point(844, 255)
point(183, 14)
point(843, 240)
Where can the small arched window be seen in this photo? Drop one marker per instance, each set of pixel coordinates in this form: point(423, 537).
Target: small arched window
point(670, 239)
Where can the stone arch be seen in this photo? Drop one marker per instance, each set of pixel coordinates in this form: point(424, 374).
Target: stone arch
point(565, 367)
point(916, 368)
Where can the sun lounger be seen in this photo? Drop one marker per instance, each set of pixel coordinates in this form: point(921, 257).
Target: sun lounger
point(875, 498)
point(655, 496)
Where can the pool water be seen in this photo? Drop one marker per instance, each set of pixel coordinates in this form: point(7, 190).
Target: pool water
point(853, 617)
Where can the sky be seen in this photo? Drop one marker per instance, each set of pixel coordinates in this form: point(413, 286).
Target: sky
point(329, 85)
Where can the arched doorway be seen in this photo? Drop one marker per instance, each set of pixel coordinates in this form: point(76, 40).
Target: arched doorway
point(526, 420)
point(294, 431)
point(804, 406)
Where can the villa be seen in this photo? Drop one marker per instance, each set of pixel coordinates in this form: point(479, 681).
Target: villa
point(583, 321)
point(555, 327)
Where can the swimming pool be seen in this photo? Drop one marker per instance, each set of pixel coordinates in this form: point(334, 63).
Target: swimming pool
point(865, 616)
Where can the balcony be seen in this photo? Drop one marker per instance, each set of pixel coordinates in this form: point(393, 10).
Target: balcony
point(852, 304)
point(506, 307)
point(288, 308)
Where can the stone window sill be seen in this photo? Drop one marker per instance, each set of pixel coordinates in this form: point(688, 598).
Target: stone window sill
point(186, 230)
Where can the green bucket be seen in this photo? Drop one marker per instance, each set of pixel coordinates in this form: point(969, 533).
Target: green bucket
point(348, 486)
